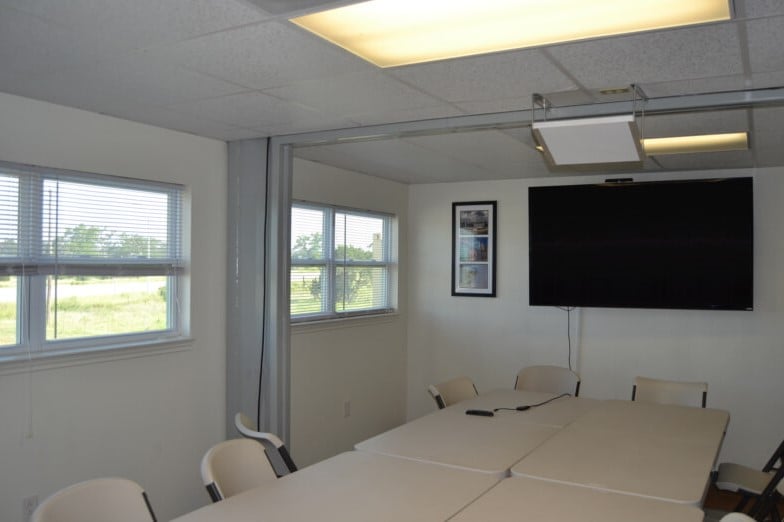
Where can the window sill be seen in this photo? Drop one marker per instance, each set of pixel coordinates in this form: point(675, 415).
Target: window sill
point(37, 361)
point(343, 322)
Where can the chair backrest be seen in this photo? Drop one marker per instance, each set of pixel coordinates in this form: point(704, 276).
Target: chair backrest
point(766, 503)
point(776, 460)
point(233, 466)
point(97, 500)
point(549, 379)
point(453, 391)
point(736, 517)
point(277, 453)
point(670, 392)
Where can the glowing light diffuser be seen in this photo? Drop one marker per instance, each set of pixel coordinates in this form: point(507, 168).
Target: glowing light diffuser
point(401, 32)
point(702, 143)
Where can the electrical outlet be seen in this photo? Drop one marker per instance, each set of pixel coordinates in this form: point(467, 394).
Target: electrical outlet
point(346, 409)
point(28, 506)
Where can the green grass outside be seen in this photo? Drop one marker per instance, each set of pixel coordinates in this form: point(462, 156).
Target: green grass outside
point(95, 315)
point(304, 302)
point(107, 315)
point(7, 323)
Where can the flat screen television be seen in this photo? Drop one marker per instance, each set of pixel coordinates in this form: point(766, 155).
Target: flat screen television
point(664, 244)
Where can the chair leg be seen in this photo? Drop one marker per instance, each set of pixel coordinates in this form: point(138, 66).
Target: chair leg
point(744, 499)
point(765, 509)
point(774, 511)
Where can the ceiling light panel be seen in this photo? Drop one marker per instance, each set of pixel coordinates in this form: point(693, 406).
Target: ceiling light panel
point(606, 139)
point(400, 32)
point(702, 143)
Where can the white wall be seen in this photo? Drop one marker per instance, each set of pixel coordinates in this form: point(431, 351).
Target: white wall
point(360, 360)
point(149, 418)
point(740, 354)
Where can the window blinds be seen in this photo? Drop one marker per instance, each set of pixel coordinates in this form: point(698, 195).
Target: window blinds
point(61, 222)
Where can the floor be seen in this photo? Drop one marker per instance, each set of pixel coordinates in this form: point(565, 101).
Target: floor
point(723, 500)
point(727, 500)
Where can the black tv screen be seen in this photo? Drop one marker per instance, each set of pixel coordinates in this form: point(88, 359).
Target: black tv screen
point(671, 244)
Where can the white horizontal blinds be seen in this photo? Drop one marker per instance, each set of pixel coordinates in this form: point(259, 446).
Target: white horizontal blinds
point(361, 258)
point(310, 290)
point(308, 226)
point(109, 228)
point(10, 259)
point(81, 224)
point(10, 256)
point(340, 261)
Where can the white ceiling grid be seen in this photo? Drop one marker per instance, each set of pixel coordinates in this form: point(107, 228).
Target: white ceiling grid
point(235, 69)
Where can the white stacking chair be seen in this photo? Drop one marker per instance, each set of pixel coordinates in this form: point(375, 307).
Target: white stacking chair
point(670, 392)
point(736, 517)
point(97, 500)
point(752, 483)
point(233, 466)
point(452, 391)
point(276, 451)
point(548, 379)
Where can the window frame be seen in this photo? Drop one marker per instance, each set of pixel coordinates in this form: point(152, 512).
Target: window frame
point(31, 324)
point(330, 264)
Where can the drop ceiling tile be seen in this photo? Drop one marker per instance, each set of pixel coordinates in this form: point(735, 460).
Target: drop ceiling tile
point(355, 94)
point(767, 80)
point(522, 135)
point(330, 155)
point(689, 124)
point(768, 135)
point(499, 154)
point(757, 8)
point(351, 157)
point(291, 6)
point(734, 159)
point(169, 119)
point(765, 44)
point(125, 25)
point(694, 86)
point(362, 163)
point(696, 52)
point(403, 162)
point(265, 55)
point(505, 75)
point(259, 111)
point(138, 79)
point(497, 105)
point(490, 150)
point(31, 45)
point(382, 116)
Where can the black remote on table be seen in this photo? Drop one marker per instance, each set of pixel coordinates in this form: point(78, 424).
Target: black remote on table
point(481, 413)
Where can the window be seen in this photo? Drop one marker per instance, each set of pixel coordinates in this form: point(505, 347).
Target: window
point(86, 261)
point(341, 262)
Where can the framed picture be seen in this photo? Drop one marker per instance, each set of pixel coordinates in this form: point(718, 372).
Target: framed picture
point(473, 248)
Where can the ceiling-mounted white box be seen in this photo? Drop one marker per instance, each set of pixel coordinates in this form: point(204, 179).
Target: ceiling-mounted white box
point(608, 139)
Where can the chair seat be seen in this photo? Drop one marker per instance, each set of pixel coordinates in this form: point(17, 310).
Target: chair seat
point(734, 477)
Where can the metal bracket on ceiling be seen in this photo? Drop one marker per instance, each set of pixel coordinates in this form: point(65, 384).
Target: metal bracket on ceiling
point(639, 96)
point(538, 100)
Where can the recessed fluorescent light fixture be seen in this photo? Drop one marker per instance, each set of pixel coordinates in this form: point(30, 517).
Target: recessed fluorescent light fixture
point(389, 33)
point(702, 143)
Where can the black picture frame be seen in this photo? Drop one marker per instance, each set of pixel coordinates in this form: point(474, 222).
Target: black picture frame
point(474, 231)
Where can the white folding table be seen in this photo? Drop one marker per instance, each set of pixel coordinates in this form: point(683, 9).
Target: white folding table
point(558, 413)
point(520, 498)
point(485, 444)
point(651, 450)
point(354, 486)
